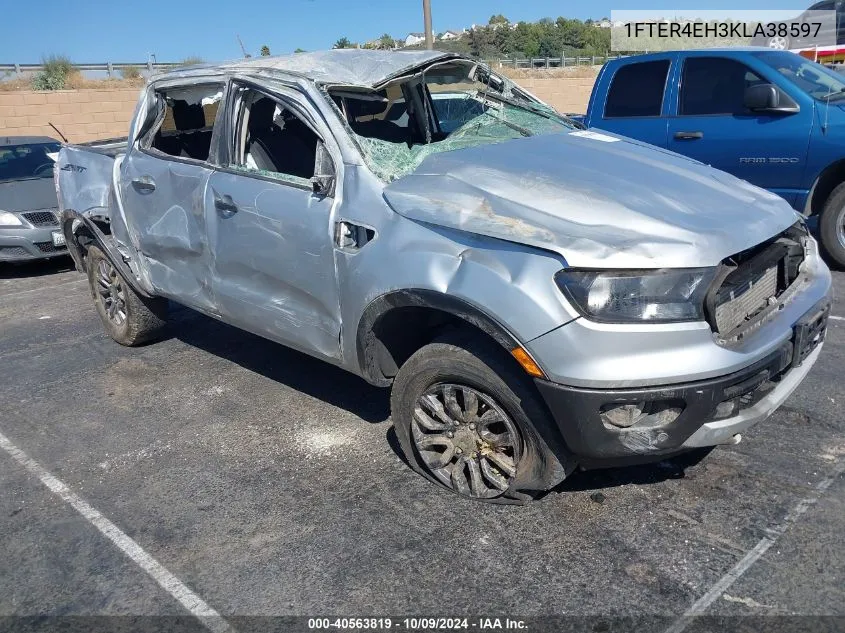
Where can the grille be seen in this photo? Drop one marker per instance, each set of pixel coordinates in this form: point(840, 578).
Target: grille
point(13, 251)
point(41, 218)
point(48, 247)
point(745, 302)
point(757, 278)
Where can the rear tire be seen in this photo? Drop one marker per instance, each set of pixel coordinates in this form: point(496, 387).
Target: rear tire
point(832, 226)
point(465, 416)
point(127, 318)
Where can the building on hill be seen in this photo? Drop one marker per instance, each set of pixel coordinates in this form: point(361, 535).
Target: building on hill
point(414, 38)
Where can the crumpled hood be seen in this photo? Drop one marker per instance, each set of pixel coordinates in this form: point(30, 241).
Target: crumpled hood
point(601, 201)
point(27, 195)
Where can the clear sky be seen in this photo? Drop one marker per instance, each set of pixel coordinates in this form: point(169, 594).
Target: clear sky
point(97, 31)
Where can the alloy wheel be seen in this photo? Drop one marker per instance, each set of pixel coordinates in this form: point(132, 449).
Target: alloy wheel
point(111, 292)
point(777, 43)
point(840, 228)
point(466, 440)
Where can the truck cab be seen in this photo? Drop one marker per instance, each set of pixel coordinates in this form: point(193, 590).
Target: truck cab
point(769, 117)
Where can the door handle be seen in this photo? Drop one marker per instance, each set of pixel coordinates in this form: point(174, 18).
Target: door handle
point(144, 184)
point(688, 136)
point(225, 204)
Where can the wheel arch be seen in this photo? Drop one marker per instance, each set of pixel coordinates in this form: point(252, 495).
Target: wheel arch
point(830, 177)
point(396, 324)
point(81, 230)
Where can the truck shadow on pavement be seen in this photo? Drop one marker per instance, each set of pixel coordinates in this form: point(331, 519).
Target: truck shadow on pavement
point(281, 364)
point(372, 404)
point(38, 268)
point(641, 474)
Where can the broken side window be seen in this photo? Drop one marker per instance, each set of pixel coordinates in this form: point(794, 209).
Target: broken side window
point(381, 114)
point(272, 140)
point(187, 124)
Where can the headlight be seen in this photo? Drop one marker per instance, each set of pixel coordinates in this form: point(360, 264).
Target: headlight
point(9, 219)
point(634, 296)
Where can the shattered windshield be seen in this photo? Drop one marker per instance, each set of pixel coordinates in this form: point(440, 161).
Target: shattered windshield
point(450, 106)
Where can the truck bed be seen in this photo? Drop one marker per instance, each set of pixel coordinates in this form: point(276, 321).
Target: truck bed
point(84, 176)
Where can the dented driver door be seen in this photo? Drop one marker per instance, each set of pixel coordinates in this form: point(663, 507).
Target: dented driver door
point(273, 255)
point(162, 187)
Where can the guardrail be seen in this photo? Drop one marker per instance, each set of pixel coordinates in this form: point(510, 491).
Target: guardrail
point(108, 67)
point(555, 62)
point(111, 68)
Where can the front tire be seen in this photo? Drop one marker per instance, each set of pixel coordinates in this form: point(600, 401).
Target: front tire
point(127, 318)
point(832, 226)
point(465, 418)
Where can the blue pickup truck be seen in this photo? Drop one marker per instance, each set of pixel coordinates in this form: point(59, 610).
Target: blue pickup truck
point(770, 117)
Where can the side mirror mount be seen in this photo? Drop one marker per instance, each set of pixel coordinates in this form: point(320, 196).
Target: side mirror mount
point(323, 181)
point(768, 98)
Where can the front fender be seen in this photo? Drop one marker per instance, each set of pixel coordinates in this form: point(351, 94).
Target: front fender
point(367, 345)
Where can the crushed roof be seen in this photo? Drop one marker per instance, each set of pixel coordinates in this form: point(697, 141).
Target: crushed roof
point(353, 66)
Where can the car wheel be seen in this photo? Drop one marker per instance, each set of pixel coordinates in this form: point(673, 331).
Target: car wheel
point(465, 420)
point(127, 318)
point(832, 226)
point(778, 43)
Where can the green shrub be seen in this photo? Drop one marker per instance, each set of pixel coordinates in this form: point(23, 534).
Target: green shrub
point(192, 61)
point(56, 64)
point(54, 75)
point(130, 72)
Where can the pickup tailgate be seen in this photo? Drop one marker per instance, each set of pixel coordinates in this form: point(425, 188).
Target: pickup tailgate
point(84, 176)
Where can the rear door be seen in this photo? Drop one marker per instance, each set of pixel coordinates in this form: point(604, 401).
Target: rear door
point(271, 233)
point(163, 179)
point(713, 126)
point(636, 102)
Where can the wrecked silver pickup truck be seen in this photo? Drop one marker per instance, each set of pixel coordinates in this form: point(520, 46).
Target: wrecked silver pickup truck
point(539, 296)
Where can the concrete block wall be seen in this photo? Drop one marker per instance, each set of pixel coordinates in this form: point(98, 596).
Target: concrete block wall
point(81, 115)
point(91, 114)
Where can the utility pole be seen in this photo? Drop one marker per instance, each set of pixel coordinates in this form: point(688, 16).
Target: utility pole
point(429, 37)
point(243, 50)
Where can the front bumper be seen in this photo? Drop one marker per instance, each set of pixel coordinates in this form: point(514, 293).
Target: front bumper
point(25, 244)
point(687, 415)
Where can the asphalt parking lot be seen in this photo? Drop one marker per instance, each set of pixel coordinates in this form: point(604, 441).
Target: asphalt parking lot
point(267, 483)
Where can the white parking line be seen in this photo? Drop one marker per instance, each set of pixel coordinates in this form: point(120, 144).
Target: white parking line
point(837, 318)
point(701, 605)
point(172, 585)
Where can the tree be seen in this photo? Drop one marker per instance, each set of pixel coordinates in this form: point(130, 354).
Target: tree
point(386, 41)
point(265, 51)
point(481, 42)
point(300, 50)
point(498, 19)
point(571, 33)
point(526, 39)
point(343, 42)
